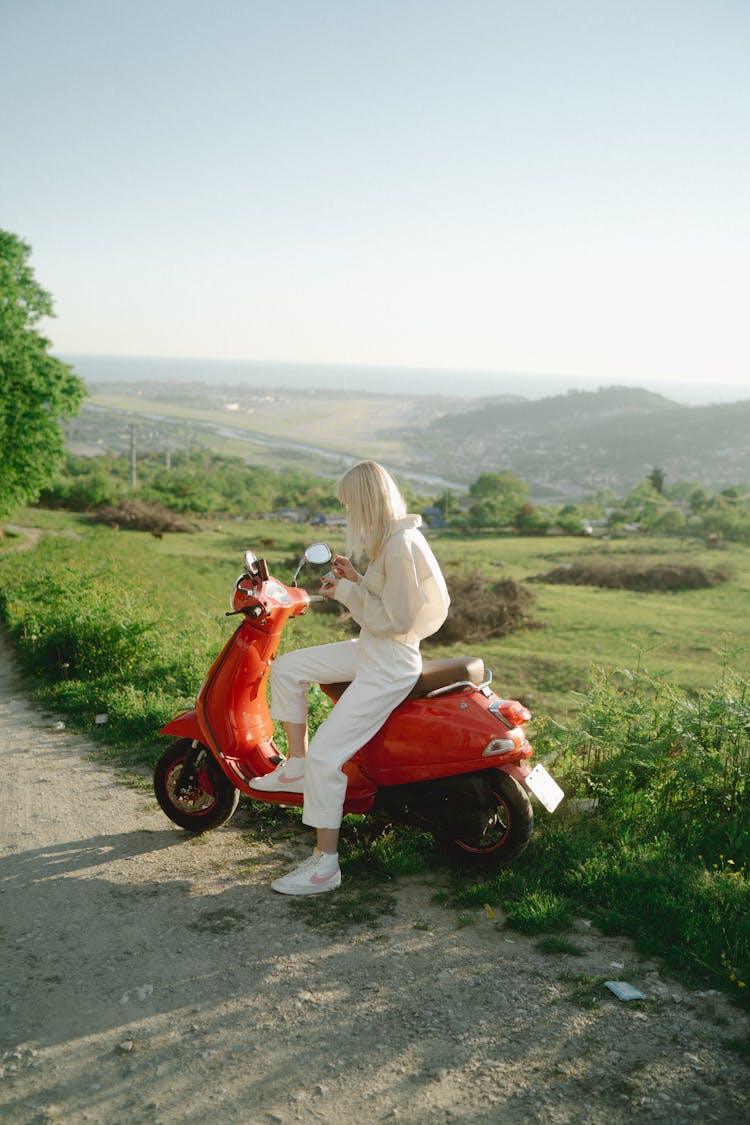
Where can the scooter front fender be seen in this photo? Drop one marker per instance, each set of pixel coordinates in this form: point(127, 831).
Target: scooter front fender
point(519, 770)
point(184, 725)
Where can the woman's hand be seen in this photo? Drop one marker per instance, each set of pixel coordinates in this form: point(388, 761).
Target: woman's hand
point(328, 584)
point(342, 568)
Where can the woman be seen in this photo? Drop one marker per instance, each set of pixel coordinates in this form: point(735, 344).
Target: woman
point(401, 598)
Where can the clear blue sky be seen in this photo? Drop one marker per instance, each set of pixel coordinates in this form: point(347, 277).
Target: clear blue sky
point(519, 185)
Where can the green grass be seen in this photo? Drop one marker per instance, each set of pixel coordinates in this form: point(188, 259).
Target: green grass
point(347, 429)
point(555, 945)
point(686, 637)
point(127, 624)
point(642, 702)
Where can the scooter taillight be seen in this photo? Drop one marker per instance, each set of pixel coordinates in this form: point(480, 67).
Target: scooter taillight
point(510, 712)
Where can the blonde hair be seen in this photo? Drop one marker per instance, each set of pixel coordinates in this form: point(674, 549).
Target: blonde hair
point(374, 501)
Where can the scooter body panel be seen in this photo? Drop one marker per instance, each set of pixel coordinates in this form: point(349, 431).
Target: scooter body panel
point(231, 705)
point(422, 740)
point(438, 737)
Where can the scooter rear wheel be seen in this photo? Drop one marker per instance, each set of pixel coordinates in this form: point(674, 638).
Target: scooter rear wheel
point(209, 802)
point(501, 830)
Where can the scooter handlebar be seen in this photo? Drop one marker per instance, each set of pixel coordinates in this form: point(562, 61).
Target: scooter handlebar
point(248, 610)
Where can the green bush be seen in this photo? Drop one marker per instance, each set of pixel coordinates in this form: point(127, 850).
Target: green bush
point(89, 628)
point(664, 856)
point(107, 625)
point(663, 762)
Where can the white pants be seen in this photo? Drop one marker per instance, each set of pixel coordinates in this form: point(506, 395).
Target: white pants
point(381, 671)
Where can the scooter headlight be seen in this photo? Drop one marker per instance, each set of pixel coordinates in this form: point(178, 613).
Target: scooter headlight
point(243, 593)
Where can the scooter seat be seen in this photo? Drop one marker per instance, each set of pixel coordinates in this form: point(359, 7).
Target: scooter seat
point(435, 674)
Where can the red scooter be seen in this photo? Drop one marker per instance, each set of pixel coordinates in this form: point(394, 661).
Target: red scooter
point(452, 758)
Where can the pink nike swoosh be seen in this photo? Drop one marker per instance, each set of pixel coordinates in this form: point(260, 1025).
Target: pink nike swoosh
point(322, 878)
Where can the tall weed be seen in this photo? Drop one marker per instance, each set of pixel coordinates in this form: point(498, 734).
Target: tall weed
point(89, 627)
point(661, 761)
point(108, 625)
point(665, 853)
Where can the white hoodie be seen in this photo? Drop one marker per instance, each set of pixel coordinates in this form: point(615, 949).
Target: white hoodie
point(403, 593)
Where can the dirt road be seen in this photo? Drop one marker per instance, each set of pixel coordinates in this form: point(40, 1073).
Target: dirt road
point(148, 977)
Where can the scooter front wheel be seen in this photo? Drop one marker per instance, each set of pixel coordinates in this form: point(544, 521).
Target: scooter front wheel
point(207, 801)
point(500, 830)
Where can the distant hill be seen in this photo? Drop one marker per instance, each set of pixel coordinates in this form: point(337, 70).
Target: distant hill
point(565, 447)
point(358, 379)
point(569, 446)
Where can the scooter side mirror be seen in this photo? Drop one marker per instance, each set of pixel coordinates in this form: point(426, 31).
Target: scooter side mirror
point(249, 562)
point(318, 554)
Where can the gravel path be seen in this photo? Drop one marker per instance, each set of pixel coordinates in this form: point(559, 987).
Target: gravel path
point(149, 977)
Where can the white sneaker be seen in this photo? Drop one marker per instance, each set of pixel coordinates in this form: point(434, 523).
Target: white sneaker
point(319, 873)
point(288, 777)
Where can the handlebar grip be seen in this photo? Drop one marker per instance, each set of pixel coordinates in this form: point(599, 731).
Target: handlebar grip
point(249, 611)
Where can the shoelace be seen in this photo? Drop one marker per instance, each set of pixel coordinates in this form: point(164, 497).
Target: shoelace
point(306, 864)
point(283, 772)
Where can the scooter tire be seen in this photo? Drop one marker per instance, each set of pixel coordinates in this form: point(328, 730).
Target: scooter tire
point(208, 804)
point(502, 830)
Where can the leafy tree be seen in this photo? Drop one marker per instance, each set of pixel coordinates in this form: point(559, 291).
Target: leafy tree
point(735, 496)
point(36, 390)
point(569, 519)
point(701, 499)
point(533, 519)
point(730, 523)
point(597, 506)
point(496, 498)
point(447, 503)
point(668, 521)
point(657, 478)
point(681, 490)
point(85, 483)
point(616, 518)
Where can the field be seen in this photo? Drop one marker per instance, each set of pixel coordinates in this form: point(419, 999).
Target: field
point(685, 637)
point(565, 448)
point(640, 700)
point(688, 638)
point(319, 430)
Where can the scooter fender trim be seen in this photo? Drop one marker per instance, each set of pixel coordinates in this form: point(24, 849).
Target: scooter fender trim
point(184, 725)
point(519, 770)
point(509, 763)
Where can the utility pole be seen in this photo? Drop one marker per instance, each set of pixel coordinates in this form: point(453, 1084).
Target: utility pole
point(132, 457)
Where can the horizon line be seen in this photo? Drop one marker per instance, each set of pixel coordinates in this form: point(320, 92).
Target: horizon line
point(486, 372)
